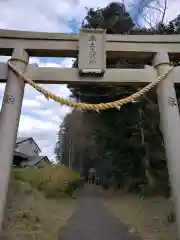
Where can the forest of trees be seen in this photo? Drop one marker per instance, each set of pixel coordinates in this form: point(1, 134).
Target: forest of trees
point(124, 145)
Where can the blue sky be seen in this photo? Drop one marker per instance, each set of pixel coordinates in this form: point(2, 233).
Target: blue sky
point(40, 118)
point(74, 28)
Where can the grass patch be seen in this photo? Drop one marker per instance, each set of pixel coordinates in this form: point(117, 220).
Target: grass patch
point(147, 218)
point(38, 204)
point(53, 180)
point(30, 215)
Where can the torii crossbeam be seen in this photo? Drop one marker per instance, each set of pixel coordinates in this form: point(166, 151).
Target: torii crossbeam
point(93, 47)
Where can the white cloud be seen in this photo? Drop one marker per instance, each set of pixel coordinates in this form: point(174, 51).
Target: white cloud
point(34, 15)
point(30, 103)
point(41, 118)
point(173, 10)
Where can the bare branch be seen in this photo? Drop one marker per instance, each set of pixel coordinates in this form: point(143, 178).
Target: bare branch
point(147, 21)
point(164, 12)
point(155, 13)
point(156, 8)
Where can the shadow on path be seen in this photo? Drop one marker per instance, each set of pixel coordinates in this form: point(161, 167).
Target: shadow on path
point(93, 221)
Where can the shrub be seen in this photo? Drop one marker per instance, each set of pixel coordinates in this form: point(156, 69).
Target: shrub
point(52, 180)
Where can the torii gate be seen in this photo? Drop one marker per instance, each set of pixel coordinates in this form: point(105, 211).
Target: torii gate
point(93, 47)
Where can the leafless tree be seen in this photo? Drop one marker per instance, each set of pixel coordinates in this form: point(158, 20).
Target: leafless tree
point(155, 13)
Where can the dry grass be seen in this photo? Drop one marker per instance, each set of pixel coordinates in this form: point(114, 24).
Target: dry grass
point(146, 218)
point(50, 179)
point(29, 215)
point(47, 173)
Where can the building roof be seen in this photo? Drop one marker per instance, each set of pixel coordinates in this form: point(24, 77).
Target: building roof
point(29, 160)
point(16, 153)
point(33, 160)
point(23, 139)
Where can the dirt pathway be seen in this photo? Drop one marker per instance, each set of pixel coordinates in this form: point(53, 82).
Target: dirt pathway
point(93, 220)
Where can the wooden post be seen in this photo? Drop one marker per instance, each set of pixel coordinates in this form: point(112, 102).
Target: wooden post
point(170, 123)
point(9, 122)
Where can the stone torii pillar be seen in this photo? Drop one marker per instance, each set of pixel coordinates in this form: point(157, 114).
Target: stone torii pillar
point(9, 122)
point(170, 125)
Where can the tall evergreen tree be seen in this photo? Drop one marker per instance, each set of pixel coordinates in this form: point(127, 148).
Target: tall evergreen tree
point(125, 144)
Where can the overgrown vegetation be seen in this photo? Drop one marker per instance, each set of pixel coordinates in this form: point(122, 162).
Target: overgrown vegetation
point(52, 180)
point(126, 147)
point(39, 202)
point(148, 218)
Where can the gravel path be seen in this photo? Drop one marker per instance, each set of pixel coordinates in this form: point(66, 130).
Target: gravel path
point(93, 221)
